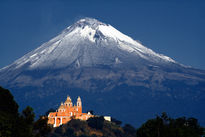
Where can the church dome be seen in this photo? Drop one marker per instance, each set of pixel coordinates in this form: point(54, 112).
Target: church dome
point(62, 106)
point(68, 100)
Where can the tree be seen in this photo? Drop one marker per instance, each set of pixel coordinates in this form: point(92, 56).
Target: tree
point(13, 124)
point(69, 132)
point(28, 115)
point(41, 128)
point(96, 122)
point(8, 114)
point(164, 126)
point(129, 130)
point(25, 122)
point(7, 102)
point(117, 122)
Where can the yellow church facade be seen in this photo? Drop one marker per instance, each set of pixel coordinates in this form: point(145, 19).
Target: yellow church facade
point(66, 112)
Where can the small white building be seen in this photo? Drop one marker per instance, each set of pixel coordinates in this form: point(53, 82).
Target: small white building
point(108, 118)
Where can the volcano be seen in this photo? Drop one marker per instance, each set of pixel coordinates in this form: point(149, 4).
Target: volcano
point(114, 74)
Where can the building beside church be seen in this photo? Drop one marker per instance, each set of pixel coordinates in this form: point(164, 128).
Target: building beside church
point(66, 112)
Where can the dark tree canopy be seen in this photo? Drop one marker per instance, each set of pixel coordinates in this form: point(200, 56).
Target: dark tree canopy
point(15, 124)
point(164, 126)
point(96, 122)
point(117, 122)
point(8, 114)
point(7, 102)
point(129, 130)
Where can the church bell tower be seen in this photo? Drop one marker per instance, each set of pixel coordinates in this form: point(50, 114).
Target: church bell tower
point(79, 105)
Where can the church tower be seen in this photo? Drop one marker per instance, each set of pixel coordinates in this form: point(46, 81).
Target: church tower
point(61, 108)
point(79, 105)
point(68, 102)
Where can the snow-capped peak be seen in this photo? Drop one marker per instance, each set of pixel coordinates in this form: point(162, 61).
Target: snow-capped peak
point(89, 21)
point(90, 26)
point(88, 42)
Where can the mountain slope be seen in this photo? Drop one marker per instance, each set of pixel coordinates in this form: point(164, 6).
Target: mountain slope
point(112, 72)
point(88, 42)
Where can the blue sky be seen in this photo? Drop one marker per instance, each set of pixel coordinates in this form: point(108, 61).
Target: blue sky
point(175, 28)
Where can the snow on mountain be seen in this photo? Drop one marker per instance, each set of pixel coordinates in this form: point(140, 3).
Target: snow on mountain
point(86, 43)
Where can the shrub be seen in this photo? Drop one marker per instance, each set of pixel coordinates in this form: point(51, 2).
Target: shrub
point(96, 122)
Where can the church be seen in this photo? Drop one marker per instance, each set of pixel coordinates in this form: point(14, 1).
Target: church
point(66, 112)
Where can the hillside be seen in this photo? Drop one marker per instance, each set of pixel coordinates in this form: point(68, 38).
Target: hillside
point(15, 124)
point(95, 127)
